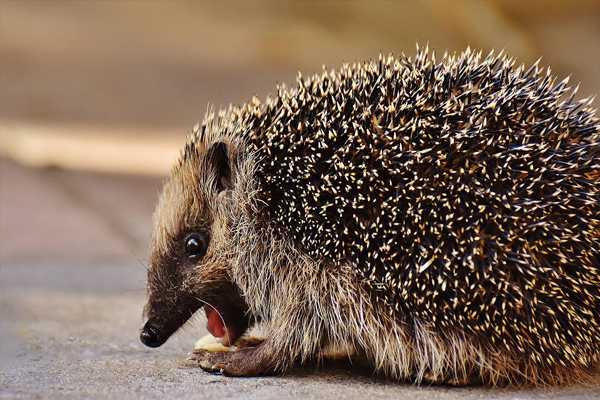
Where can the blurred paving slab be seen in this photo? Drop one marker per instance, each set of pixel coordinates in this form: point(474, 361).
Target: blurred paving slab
point(51, 214)
point(125, 203)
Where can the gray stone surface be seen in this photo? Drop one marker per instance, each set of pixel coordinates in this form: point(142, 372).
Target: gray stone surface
point(74, 333)
point(72, 294)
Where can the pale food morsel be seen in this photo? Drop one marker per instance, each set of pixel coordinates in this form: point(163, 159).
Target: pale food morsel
point(210, 343)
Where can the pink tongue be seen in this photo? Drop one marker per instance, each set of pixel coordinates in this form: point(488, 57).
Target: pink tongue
point(216, 327)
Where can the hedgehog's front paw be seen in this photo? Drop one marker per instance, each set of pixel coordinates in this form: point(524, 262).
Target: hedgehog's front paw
point(244, 362)
point(208, 360)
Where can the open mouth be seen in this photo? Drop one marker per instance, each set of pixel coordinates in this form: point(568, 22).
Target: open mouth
point(226, 321)
point(227, 317)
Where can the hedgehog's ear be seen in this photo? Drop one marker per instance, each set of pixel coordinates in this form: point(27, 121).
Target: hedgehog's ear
point(218, 160)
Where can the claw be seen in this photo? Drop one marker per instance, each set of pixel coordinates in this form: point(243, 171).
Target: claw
point(196, 355)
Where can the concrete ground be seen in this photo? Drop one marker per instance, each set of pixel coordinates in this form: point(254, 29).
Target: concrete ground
point(72, 294)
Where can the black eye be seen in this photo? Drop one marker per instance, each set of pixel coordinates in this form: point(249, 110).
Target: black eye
point(195, 246)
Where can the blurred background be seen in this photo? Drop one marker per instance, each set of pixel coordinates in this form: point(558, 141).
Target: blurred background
point(115, 85)
point(96, 98)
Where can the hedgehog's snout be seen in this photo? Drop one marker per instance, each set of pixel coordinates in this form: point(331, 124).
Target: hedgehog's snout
point(149, 335)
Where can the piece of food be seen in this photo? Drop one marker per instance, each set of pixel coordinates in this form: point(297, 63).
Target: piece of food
point(210, 343)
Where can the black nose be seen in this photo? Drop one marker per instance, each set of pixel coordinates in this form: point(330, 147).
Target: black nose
point(149, 336)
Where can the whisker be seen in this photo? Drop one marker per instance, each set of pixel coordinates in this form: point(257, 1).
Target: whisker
point(139, 260)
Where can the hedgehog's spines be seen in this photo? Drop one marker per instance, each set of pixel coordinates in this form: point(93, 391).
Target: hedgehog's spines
point(465, 191)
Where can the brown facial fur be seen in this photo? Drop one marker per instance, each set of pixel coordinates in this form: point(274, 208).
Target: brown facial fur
point(192, 203)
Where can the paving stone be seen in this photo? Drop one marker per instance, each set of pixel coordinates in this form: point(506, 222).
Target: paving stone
point(42, 221)
point(124, 202)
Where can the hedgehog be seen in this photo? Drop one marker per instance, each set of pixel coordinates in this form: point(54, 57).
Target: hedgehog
point(440, 218)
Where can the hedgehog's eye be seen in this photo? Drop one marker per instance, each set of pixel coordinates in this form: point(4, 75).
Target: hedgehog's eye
point(195, 246)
